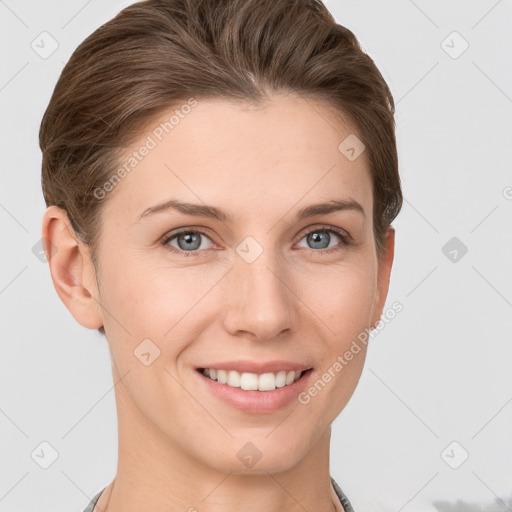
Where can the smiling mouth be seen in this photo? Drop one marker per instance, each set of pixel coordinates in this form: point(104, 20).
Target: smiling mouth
point(253, 381)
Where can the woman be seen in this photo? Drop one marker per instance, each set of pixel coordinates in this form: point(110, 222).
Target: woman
point(221, 177)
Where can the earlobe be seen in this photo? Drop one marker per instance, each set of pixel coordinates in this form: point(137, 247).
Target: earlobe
point(71, 268)
point(383, 276)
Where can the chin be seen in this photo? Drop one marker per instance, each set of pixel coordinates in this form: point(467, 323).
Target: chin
point(257, 457)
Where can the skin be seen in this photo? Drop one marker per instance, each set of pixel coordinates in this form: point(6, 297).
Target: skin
point(178, 443)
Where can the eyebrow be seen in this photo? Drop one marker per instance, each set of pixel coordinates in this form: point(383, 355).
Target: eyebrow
point(215, 213)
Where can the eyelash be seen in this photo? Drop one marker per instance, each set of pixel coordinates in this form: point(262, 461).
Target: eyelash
point(345, 240)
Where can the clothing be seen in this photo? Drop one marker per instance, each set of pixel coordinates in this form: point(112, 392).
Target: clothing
point(343, 499)
point(93, 502)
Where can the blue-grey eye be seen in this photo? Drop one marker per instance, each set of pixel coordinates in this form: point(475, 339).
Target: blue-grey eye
point(188, 240)
point(322, 238)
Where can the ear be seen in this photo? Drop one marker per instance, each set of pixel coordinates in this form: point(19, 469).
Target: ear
point(71, 268)
point(383, 275)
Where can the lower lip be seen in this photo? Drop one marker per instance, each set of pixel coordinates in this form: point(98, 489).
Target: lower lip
point(257, 402)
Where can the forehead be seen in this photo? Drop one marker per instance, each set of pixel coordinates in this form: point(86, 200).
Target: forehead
point(283, 152)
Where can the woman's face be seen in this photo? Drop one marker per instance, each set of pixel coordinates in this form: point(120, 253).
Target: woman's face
point(260, 281)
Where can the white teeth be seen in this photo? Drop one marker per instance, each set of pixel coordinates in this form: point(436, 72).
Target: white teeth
point(249, 381)
point(280, 379)
point(253, 381)
point(266, 382)
point(233, 379)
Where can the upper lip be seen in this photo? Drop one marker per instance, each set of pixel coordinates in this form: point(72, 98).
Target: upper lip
point(257, 367)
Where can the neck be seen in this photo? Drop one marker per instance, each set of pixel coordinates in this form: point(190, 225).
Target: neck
point(155, 474)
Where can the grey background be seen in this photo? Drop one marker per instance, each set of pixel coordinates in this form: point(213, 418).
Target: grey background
point(437, 373)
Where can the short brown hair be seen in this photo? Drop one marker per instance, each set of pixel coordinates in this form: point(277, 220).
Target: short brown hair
point(157, 53)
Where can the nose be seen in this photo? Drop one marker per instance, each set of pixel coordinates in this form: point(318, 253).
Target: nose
point(261, 298)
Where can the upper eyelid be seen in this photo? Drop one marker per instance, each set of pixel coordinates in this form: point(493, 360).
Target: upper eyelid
point(179, 231)
point(342, 233)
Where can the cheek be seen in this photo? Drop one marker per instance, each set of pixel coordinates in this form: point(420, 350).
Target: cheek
point(149, 300)
point(343, 303)
point(343, 298)
point(155, 302)
point(145, 296)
